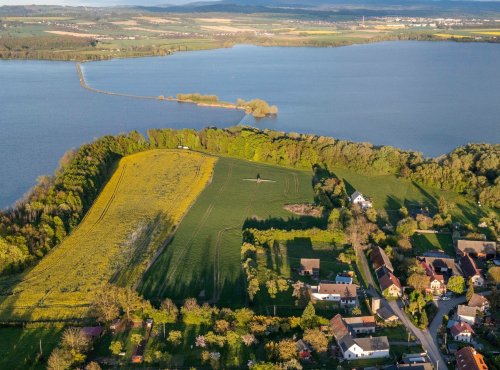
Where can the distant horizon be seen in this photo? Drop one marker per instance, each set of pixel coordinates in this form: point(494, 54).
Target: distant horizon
point(95, 3)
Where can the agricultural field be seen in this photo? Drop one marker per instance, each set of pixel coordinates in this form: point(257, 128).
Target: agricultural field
point(203, 259)
point(20, 346)
point(145, 198)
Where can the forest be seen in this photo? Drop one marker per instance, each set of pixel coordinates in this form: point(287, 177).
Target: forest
point(56, 205)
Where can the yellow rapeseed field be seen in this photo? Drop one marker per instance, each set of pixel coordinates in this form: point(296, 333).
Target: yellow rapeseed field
point(488, 33)
point(144, 199)
point(317, 32)
point(446, 35)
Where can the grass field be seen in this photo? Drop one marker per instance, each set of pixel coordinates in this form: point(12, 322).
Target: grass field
point(425, 242)
point(19, 346)
point(204, 254)
point(146, 196)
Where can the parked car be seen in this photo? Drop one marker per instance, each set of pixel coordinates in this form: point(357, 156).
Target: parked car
point(436, 298)
point(445, 298)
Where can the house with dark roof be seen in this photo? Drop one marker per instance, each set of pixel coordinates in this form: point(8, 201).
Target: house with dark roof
point(462, 332)
point(477, 249)
point(466, 314)
point(309, 266)
point(353, 347)
point(303, 349)
point(441, 264)
point(479, 302)
point(363, 324)
point(469, 359)
point(379, 259)
point(386, 315)
point(471, 271)
point(390, 285)
point(345, 294)
point(93, 331)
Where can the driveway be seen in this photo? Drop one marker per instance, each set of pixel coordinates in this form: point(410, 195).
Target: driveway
point(371, 285)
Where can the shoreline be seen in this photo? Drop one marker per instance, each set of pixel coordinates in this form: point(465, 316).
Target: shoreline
point(201, 104)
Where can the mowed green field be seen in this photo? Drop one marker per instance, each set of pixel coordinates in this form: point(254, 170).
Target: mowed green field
point(19, 347)
point(204, 254)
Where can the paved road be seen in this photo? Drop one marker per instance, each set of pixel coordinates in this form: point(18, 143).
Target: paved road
point(371, 287)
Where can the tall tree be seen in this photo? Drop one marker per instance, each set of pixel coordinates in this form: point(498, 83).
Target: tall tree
point(105, 304)
point(59, 360)
point(308, 317)
point(130, 300)
point(456, 284)
point(75, 339)
point(470, 290)
point(494, 274)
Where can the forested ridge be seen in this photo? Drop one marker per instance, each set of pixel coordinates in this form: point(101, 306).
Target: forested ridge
point(57, 204)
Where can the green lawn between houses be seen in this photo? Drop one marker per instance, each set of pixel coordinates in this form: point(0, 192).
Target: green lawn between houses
point(426, 242)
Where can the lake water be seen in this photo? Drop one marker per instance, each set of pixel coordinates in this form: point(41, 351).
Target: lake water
point(426, 96)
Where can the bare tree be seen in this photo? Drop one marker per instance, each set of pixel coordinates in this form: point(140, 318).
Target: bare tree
point(75, 339)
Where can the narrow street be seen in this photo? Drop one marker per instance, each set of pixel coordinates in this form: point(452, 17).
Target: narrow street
point(371, 284)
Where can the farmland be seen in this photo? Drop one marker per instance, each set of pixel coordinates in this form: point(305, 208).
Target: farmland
point(144, 199)
point(203, 258)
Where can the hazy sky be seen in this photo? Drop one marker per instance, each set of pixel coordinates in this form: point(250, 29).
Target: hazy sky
point(92, 2)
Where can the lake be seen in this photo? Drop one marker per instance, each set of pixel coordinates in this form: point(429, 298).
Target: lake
point(426, 96)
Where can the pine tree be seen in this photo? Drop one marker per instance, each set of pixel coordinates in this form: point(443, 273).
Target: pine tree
point(424, 321)
point(308, 317)
point(470, 290)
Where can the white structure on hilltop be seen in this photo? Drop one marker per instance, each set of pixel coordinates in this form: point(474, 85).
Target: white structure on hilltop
point(358, 198)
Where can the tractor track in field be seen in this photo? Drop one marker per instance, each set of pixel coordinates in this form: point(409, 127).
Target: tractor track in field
point(101, 217)
point(287, 186)
point(171, 273)
point(297, 185)
point(103, 214)
point(216, 295)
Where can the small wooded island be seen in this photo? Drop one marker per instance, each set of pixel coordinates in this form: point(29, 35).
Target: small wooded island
point(259, 108)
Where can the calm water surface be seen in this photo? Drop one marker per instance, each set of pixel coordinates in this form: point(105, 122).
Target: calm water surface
point(426, 96)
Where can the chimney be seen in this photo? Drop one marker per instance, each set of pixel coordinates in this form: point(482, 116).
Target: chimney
point(375, 304)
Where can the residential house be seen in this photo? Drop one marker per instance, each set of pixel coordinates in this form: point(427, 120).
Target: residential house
point(480, 302)
point(345, 294)
point(471, 271)
point(303, 349)
point(477, 249)
point(363, 324)
point(339, 279)
point(386, 315)
point(466, 314)
point(437, 285)
point(390, 285)
point(93, 331)
point(469, 359)
point(309, 266)
point(462, 332)
point(379, 259)
point(353, 347)
point(358, 198)
point(423, 366)
point(441, 264)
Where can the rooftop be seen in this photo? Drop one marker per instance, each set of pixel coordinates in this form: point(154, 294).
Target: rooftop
point(388, 280)
point(373, 344)
point(379, 258)
point(385, 313)
point(477, 300)
point(466, 311)
point(309, 263)
point(469, 359)
point(469, 266)
point(474, 246)
point(344, 290)
point(461, 327)
point(362, 321)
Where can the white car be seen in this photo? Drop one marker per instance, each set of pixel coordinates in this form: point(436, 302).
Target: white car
point(445, 298)
point(436, 298)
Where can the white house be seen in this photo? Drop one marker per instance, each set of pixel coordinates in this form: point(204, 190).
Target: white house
point(353, 347)
point(345, 294)
point(358, 198)
point(466, 314)
point(462, 331)
point(347, 280)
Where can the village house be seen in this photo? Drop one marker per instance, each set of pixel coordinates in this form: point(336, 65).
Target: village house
point(476, 249)
point(363, 324)
point(479, 302)
point(441, 264)
point(309, 267)
point(437, 285)
point(390, 285)
point(462, 332)
point(353, 347)
point(466, 314)
point(358, 198)
point(471, 271)
point(340, 279)
point(379, 259)
point(469, 359)
point(386, 315)
point(345, 294)
point(93, 331)
point(303, 349)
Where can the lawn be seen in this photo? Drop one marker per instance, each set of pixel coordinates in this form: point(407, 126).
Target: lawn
point(144, 199)
point(20, 346)
point(426, 242)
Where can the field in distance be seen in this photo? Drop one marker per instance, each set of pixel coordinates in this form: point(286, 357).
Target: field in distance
point(203, 258)
point(144, 199)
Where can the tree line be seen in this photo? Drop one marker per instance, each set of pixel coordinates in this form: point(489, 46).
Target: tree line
point(57, 204)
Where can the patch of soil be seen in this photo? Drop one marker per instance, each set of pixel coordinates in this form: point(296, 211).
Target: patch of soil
point(304, 209)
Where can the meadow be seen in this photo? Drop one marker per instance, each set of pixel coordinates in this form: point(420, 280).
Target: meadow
point(20, 346)
point(203, 258)
point(144, 199)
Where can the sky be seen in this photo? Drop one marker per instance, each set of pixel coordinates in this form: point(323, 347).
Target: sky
point(93, 2)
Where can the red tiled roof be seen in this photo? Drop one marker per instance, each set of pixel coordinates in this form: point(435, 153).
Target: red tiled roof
point(388, 280)
point(461, 327)
point(469, 359)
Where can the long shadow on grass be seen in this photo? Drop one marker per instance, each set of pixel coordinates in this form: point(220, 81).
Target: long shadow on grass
point(292, 223)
